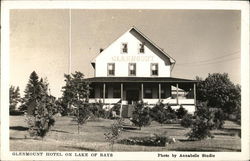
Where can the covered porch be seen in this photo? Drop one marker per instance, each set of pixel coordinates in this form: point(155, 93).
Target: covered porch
point(129, 90)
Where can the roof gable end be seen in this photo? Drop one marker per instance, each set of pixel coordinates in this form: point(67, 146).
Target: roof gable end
point(139, 35)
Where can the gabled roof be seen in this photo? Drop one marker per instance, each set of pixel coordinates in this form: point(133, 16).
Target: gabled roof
point(134, 29)
point(156, 46)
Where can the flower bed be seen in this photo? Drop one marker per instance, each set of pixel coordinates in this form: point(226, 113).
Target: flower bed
point(155, 140)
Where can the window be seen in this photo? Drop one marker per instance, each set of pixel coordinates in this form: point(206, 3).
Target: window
point(111, 69)
point(148, 93)
point(131, 69)
point(106, 92)
point(154, 69)
point(116, 92)
point(163, 95)
point(124, 48)
point(141, 48)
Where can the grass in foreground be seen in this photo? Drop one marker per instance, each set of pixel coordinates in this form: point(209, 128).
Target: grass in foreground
point(64, 137)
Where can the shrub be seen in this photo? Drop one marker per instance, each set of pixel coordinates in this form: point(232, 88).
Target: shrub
point(155, 140)
point(203, 123)
point(163, 115)
point(140, 115)
point(170, 116)
point(116, 108)
point(41, 122)
point(81, 114)
point(114, 112)
point(172, 121)
point(181, 112)
point(200, 130)
point(238, 116)
point(187, 121)
point(97, 110)
point(170, 113)
point(158, 113)
point(16, 112)
point(114, 132)
point(219, 117)
point(169, 109)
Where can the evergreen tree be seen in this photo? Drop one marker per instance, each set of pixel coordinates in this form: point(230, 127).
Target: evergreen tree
point(14, 97)
point(42, 118)
point(140, 116)
point(32, 92)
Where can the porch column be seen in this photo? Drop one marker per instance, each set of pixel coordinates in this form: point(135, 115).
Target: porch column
point(104, 86)
point(87, 98)
point(121, 91)
point(142, 91)
point(121, 100)
point(177, 88)
point(159, 91)
point(195, 95)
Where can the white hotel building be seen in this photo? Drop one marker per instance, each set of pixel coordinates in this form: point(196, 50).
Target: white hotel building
point(133, 68)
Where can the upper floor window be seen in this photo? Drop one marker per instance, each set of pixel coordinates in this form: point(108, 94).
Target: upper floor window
point(124, 48)
point(132, 69)
point(141, 48)
point(154, 69)
point(111, 69)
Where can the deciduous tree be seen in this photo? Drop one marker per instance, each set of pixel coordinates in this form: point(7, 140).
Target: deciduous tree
point(219, 92)
point(75, 94)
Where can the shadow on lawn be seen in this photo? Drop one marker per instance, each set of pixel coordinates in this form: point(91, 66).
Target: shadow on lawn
point(79, 148)
point(175, 128)
point(100, 126)
point(232, 130)
point(12, 138)
point(186, 140)
point(19, 128)
point(62, 131)
point(229, 132)
point(225, 134)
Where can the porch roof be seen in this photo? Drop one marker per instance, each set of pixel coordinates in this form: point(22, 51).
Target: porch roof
point(140, 79)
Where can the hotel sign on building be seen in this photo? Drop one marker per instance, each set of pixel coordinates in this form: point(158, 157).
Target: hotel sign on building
point(133, 68)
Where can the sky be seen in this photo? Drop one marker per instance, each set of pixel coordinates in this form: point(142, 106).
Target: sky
point(201, 41)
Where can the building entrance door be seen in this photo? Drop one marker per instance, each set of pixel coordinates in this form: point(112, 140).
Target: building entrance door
point(132, 95)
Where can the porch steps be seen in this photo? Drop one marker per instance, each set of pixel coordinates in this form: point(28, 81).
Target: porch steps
point(127, 111)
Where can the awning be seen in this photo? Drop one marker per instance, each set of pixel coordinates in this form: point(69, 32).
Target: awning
point(140, 79)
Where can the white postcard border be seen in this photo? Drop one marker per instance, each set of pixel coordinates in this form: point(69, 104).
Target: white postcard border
point(220, 5)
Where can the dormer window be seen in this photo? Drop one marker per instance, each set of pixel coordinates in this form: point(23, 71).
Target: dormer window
point(154, 69)
point(141, 48)
point(132, 69)
point(124, 48)
point(111, 69)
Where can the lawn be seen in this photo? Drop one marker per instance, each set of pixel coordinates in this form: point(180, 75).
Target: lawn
point(64, 137)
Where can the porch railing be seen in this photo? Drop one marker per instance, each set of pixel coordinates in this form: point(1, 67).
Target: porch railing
point(146, 100)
